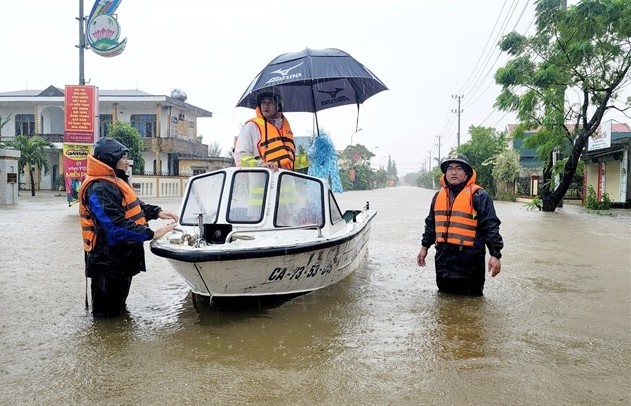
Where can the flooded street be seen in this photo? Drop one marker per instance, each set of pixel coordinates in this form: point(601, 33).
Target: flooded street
point(553, 328)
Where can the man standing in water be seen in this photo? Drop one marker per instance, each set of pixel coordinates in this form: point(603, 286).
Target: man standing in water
point(114, 227)
point(461, 222)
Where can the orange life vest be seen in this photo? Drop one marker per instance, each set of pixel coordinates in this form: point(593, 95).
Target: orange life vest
point(456, 222)
point(97, 170)
point(275, 145)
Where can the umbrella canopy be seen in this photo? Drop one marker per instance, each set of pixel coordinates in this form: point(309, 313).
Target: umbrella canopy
point(312, 80)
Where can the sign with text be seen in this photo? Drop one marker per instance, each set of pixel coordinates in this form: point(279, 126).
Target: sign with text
point(82, 109)
point(75, 168)
point(601, 137)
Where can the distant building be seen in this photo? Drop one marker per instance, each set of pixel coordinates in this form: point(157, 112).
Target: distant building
point(606, 164)
point(167, 124)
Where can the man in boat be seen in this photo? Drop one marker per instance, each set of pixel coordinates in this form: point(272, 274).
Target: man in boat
point(266, 140)
point(461, 223)
point(114, 227)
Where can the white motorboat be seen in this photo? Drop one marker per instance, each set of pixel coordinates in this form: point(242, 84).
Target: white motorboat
point(248, 232)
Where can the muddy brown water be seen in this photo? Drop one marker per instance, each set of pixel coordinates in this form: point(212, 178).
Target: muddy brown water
point(553, 328)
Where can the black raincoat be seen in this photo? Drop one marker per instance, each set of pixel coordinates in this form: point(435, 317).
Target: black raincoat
point(119, 253)
point(460, 269)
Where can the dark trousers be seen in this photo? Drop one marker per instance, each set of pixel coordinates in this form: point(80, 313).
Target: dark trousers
point(460, 286)
point(109, 295)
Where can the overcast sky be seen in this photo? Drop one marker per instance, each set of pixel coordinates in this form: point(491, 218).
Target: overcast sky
point(424, 51)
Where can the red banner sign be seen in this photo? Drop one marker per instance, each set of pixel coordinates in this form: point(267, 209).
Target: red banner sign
point(81, 106)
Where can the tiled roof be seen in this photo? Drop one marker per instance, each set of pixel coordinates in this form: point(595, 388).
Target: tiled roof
point(102, 92)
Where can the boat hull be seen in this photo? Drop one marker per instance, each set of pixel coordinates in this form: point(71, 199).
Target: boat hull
point(303, 269)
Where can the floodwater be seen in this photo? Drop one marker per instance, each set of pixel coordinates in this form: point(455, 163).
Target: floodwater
point(553, 328)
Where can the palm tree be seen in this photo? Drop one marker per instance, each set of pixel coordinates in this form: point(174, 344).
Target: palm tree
point(32, 156)
point(3, 122)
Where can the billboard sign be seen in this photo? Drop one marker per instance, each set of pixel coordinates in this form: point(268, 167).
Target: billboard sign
point(82, 109)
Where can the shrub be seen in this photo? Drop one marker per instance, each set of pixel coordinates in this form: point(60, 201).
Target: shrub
point(506, 196)
point(535, 202)
point(592, 203)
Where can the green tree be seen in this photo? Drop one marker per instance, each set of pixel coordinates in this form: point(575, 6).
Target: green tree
point(429, 179)
point(392, 171)
point(506, 169)
point(129, 136)
point(485, 144)
point(214, 149)
point(381, 178)
point(32, 155)
point(3, 122)
point(582, 52)
point(356, 158)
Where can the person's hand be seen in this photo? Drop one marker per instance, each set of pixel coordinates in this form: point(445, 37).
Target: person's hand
point(167, 215)
point(162, 231)
point(420, 258)
point(271, 165)
point(495, 266)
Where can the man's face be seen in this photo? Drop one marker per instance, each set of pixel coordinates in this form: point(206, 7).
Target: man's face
point(122, 163)
point(268, 108)
point(455, 174)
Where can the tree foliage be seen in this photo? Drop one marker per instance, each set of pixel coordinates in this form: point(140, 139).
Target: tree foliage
point(214, 149)
point(32, 155)
point(129, 136)
point(506, 166)
point(485, 144)
point(563, 79)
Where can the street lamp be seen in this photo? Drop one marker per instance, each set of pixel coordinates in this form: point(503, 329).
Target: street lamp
point(354, 134)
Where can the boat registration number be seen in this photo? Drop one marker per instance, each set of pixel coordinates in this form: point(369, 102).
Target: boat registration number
point(296, 273)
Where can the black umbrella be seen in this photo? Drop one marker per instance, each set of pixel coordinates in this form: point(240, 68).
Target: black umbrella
point(314, 79)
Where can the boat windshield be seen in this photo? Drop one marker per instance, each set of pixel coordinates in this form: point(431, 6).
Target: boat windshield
point(204, 195)
point(247, 197)
point(299, 200)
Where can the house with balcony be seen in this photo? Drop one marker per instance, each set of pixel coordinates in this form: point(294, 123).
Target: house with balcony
point(167, 124)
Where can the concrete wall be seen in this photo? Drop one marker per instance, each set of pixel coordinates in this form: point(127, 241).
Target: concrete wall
point(9, 176)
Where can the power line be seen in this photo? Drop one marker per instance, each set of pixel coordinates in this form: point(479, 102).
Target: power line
point(488, 41)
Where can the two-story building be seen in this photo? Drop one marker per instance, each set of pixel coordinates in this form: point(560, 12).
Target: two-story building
point(167, 124)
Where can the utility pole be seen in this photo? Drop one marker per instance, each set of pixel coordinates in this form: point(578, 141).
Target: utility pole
point(430, 170)
point(81, 43)
point(458, 112)
point(439, 149)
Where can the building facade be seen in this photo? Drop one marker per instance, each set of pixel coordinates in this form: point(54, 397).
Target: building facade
point(168, 126)
point(606, 165)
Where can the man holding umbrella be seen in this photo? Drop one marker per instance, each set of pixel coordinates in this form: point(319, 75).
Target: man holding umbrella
point(266, 140)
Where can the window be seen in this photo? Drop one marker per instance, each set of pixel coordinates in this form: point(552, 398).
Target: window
point(299, 201)
point(24, 124)
point(248, 197)
point(145, 124)
point(203, 200)
point(336, 214)
point(105, 121)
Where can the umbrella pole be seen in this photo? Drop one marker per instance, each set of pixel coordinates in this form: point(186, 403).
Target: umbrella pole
point(316, 123)
point(315, 111)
